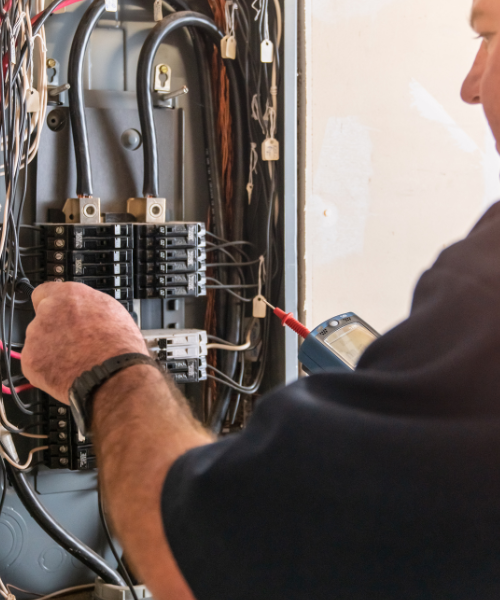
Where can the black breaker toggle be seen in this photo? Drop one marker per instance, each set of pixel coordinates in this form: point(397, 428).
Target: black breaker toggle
point(129, 260)
point(67, 448)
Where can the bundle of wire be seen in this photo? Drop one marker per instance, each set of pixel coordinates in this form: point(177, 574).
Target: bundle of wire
point(260, 83)
point(233, 269)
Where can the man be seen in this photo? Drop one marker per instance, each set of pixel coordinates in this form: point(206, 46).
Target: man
point(380, 484)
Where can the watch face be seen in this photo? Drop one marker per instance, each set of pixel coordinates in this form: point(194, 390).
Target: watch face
point(76, 411)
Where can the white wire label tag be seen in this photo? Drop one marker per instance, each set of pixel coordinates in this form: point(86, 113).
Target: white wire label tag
point(111, 5)
point(259, 307)
point(266, 51)
point(13, 50)
point(32, 101)
point(157, 10)
point(270, 149)
point(228, 47)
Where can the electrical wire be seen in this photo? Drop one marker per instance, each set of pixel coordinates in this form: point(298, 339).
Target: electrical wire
point(27, 464)
point(223, 345)
point(76, 97)
point(4, 485)
point(14, 587)
point(109, 538)
point(75, 588)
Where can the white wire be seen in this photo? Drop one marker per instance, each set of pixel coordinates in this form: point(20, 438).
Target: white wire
point(232, 347)
point(87, 586)
point(27, 463)
point(4, 590)
point(37, 79)
point(11, 585)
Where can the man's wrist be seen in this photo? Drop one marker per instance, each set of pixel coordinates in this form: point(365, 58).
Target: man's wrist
point(122, 387)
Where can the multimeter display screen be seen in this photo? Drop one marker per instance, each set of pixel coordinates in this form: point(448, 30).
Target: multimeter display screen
point(350, 342)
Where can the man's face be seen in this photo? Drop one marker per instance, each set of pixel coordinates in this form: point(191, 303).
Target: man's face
point(482, 85)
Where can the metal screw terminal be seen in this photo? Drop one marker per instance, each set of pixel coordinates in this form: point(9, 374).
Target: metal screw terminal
point(63, 449)
point(59, 269)
point(62, 424)
point(63, 461)
point(62, 436)
point(59, 243)
point(61, 410)
point(59, 230)
point(58, 256)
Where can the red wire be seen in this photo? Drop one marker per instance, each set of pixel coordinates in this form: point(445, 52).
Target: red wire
point(13, 354)
point(62, 5)
point(18, 389)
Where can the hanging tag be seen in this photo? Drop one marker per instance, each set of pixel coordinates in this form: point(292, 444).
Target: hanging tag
point(266, 51)
point(228, 47)
point(270, 149)
point(259, 307)
point(249, 192)
point(13, 50)
point(33, 101)
point(157, 10)
point(111, 5)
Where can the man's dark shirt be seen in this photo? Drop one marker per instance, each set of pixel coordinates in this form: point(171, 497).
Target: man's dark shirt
point(381, 484)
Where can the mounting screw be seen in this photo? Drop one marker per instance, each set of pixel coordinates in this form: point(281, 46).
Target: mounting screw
point(89, 210)
point(164, 69)
point(51, 63)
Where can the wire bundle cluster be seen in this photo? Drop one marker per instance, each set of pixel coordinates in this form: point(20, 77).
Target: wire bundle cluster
point(256, 23)
point(23, 105)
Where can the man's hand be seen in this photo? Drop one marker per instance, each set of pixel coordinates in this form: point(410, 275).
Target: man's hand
point(75, 329)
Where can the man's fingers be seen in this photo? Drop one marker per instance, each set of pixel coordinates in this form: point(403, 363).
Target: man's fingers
point(43, 291)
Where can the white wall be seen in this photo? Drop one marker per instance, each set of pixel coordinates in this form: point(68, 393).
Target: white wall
point(397, 166)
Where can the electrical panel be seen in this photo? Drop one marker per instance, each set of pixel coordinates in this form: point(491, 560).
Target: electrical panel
point(161, 187)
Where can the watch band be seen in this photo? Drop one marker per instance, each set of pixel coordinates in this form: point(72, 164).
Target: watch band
point(81, 393)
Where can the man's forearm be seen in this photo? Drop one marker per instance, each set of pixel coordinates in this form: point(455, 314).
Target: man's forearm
point(141, 426)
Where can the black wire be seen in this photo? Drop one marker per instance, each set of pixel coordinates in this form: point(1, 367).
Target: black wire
point(228, 242)
point(234, 264)
point(227, 287)
point(4, 484)
point(229, 291)
point(76, 96)
point(109, 537)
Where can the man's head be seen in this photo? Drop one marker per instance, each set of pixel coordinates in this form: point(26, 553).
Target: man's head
point(482, 85)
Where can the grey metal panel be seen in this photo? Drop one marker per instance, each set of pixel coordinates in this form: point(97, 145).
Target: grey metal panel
point(290, 182)
point(30, 559)
point(117, 172)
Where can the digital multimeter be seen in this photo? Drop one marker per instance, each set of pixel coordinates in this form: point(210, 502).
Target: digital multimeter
point(338, 342)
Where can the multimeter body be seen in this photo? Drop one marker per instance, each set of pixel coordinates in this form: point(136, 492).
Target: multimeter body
point(336, 343)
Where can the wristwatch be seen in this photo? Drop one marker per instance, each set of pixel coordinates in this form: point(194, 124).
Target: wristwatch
point(81, 393)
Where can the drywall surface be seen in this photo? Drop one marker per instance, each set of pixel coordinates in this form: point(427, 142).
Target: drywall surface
point(397, 166)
